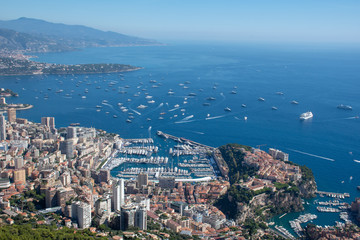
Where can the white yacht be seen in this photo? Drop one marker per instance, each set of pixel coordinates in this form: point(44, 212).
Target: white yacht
point(141, 106)
point(306, 115)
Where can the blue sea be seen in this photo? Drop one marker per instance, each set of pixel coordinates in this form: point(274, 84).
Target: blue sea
point(318, 77)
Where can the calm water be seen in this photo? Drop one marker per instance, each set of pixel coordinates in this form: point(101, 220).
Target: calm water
point(318, 78)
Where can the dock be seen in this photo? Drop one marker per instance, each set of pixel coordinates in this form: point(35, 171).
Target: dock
point(183, 140)
point(334, 194)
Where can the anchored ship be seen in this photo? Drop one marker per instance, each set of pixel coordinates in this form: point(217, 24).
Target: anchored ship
point(306, 115)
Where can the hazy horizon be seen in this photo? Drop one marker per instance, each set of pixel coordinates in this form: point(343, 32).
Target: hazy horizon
point(228, 21)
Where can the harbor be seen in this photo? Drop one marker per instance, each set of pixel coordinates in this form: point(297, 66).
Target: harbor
point(164, 156)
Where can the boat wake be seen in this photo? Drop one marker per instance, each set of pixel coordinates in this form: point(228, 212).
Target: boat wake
point(201, 133)
point(188, 121)
point(106, 104)
point(160, 105)
point(80, 108)
point(312, 155)
point(149, 130)
point(135, 111)
point(187, 118)
point(358, 161)
point(171, 110)
point(210, 118)
point(222, 94)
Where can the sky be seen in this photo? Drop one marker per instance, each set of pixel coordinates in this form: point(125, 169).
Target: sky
point(333, 21)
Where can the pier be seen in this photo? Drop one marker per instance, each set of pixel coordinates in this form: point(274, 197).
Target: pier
point(183, 140)
point(333, 194)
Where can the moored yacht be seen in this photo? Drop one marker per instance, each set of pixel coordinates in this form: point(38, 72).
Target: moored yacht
point(345, 107)
point(306, 115)
point(141, 106)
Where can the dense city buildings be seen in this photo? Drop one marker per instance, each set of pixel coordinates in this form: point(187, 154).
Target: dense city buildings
point(68, 168)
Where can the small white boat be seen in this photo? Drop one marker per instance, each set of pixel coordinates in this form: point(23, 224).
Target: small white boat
point(141, 106)
point(307, 115)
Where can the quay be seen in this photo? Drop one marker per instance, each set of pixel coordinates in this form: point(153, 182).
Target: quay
point(183, 140)
point(333, 194)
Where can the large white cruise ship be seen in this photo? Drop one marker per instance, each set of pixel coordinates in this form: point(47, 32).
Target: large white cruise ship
point(306, 115)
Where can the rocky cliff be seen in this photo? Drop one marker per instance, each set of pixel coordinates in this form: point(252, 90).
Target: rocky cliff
point(242, 203)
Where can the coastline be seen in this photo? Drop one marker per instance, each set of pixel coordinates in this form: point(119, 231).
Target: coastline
point(17, 108)
point(67, 73)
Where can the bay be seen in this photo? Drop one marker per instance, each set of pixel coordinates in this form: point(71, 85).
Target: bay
point(318, 77)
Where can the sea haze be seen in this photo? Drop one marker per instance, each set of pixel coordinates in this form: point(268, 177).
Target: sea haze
point(318, 78)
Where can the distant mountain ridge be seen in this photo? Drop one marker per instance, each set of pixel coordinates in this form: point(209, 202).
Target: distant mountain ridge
point(11, 40)
point(62, 37)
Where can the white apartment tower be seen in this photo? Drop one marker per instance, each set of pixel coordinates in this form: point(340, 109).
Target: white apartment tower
point(81, 212)
point(118, 195)
point(2, 128)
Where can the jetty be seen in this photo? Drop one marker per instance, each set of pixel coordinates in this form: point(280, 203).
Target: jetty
point(183, 140)
point(333, 194)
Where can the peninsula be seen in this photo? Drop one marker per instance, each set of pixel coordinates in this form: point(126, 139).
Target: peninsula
point(25, 35)
point(19, 65)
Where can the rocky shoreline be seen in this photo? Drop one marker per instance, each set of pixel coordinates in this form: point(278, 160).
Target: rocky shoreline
point(252, 195)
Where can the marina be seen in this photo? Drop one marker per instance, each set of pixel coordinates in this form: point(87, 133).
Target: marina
point(184, 159)
point(296, 223)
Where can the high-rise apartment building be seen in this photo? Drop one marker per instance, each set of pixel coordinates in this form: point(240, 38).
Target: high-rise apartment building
point(11, 115)
point(140, 218)
point(71, 132)
point(67, 147)
point(142, 179)
point(49, 122)
point(81, 212)
point(20, 175)
point(118, 198)
point(19, 162)
point(127, 216)
point(2, 128)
